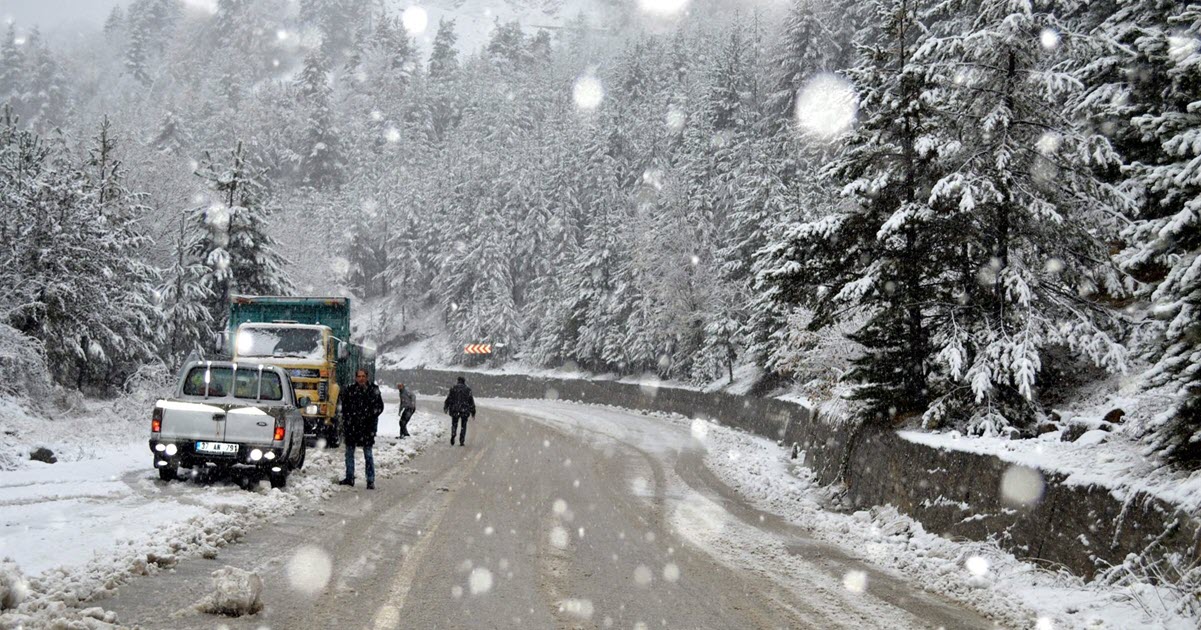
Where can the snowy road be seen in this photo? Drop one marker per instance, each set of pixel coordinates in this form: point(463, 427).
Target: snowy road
point(554, 515)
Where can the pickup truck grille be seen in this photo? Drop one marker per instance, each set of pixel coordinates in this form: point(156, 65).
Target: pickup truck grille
point(323, 391)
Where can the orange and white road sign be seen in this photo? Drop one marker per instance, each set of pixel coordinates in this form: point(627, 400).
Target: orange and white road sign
point(478, 348)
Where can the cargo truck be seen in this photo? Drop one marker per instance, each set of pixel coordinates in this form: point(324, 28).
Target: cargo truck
point(309, 337)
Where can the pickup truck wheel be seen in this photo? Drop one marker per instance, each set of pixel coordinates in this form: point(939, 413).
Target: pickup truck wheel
point(279, 479)
point(300, 461)
point(168, 473)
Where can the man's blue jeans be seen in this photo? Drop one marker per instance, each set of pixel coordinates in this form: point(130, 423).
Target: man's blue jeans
point(350, 463)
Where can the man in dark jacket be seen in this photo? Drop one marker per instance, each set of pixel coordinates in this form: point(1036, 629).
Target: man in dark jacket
point(459, 404)
point(408, 405)
point(361, 407)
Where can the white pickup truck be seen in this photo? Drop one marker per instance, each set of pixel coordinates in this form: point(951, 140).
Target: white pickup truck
point(227, 414)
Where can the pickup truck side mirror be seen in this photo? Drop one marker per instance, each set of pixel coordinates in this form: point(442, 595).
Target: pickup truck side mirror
point(219, 342)
point(343, 351)
point(304, 401)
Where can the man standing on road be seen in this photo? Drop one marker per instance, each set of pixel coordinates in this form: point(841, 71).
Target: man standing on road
point(459, 404)
point(361, 407)
point(408, 404)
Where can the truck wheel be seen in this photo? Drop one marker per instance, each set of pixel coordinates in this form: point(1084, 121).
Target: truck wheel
point(303, 451)
point(331, 437)
point(168, 473)
point(279, 479)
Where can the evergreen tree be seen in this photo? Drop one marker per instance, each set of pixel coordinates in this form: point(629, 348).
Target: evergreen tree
point(114, 24)
point(46, 101)
point(73, 251)
point(444, 56)
point(184, 297)
point(876, 256)
point(1143, 89)
point(1031, 215)
point(12, 64)
point(321, 163)
point(172, 136)
point(238, 254)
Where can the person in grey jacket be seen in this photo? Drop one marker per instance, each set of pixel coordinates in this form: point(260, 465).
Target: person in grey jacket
point(408, 405)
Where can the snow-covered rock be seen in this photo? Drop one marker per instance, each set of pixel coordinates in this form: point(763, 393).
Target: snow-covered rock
point(1090, 438)
point(12, 585)
point(236, 592)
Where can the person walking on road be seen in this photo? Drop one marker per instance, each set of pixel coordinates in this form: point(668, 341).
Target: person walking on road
point(408, 405)
point(459, 404)
point(361, 407)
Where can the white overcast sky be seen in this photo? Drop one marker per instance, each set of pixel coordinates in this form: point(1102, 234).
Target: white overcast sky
point(53, 15)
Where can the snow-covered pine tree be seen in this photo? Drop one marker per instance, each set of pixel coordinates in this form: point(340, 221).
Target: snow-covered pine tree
point(12, 66)
point(114, 24)
point(1147, 96)
point(874, 256)
point(1031, 218)
point(46, 101)
point(235, 247)
point(507, 47)
point(172, 137)
point(806, 47)
point(443, 55)
point(183, 297)
point(73, 252)
point(322, 162)
point(444, 103)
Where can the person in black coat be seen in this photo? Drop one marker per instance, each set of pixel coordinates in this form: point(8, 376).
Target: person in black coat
point(361, 407)
point(459, 404)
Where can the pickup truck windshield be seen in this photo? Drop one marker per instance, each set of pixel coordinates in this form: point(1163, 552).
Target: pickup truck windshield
point(217, 380)
point(301, 343)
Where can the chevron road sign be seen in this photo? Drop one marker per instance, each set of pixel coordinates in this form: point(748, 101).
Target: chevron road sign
point(478, 348)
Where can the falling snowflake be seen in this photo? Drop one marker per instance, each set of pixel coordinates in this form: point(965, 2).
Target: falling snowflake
point(1049, 38)
point(588, 92)
point(643, 575)
point(480, 581)
point(1022, 485)
point(671, 572)
point(826, 106)
point(415, 20)
point(309, 569)
point(855, 581)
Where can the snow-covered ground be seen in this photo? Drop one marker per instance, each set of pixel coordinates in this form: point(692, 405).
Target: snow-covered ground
point(980, 575)
point(75, 530)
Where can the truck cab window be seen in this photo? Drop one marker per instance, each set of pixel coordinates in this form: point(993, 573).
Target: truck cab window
point(269, 341)
point(273, 389)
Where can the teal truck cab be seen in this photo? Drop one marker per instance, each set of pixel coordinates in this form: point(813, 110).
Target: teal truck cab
point(309, 338)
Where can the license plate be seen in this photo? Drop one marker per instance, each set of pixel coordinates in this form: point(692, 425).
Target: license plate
point(223, 448)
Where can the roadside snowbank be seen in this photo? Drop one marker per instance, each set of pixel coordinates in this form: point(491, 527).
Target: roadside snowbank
point(979, 574)
point(76, 531)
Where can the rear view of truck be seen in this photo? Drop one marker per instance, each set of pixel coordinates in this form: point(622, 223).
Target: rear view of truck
point(309, 337)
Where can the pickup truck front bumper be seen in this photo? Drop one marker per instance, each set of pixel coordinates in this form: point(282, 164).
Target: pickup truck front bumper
point(183, 453)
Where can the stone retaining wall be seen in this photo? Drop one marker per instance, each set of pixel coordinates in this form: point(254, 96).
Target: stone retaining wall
point(953, 493)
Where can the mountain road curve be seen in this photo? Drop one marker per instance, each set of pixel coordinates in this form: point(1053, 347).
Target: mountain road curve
point(554, 515)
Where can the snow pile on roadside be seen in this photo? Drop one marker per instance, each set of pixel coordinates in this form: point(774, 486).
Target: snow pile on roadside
point(56, 595)
point(12, 585)
point(82, 433)
point(236, 592)
point(978, 574)
point(1115, 459)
